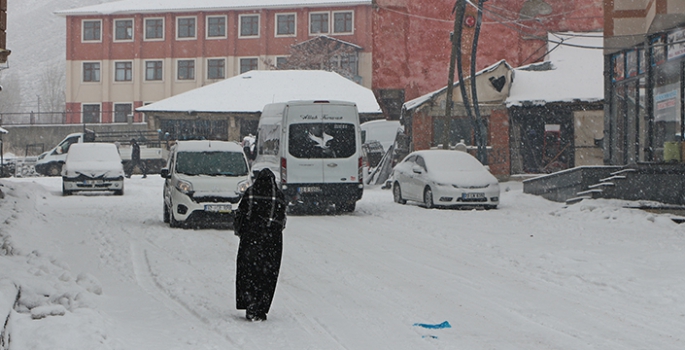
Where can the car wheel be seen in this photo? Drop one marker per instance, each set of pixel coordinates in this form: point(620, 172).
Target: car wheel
point(165, 217)
point(428, 198)
point(397, 194)
point(119, 192)
point(172, 221)
point(55, 169)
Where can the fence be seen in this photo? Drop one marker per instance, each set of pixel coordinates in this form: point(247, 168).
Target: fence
point(33, 118)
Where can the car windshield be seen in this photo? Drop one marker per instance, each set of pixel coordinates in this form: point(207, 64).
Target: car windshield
point(93, 153)
point(322, 140)
point(211, 163)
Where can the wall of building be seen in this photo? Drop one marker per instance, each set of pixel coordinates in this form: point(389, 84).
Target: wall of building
point(266, 47)
point(412, 47)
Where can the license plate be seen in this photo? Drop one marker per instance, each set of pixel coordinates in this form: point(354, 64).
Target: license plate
point(309, 189)
point(92, 182)
point(218, 208)
point(472, 195)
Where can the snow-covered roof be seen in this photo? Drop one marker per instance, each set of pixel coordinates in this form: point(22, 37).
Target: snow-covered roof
point(251, 91)
point(411, 104)
point(157, 6)
point(207, 145)
point(576, 72)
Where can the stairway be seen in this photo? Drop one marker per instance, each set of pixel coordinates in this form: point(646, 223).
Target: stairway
point(604, 188)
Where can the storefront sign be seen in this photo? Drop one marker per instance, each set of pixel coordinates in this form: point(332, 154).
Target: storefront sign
point(666, 106)
point(631, 63)
point(619, 66)
point(676, 44)
point(658, 50)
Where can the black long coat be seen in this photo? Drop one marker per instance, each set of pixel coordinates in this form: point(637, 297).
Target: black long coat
point(261, 243)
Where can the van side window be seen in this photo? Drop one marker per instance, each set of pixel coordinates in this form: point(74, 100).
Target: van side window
point(268, 139)
point(322, 140)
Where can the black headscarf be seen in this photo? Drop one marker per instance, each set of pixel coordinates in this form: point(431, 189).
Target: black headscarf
point(264, 203)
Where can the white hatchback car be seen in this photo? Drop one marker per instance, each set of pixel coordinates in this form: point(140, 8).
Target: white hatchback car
point(93, 167)
point(205, 181)
point(444, 178)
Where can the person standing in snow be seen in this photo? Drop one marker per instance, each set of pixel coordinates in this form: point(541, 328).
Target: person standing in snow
point(260, 220)
point(135, 160)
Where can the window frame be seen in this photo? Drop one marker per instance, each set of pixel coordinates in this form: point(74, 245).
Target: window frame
point(128, 70)
point(178, 68)
point(99, 113)
point(276, 26)
point(207, 28)
point(114, 29)
point(210, 66)
point(240, 64)
point(83, 31)
point(240, 26)
point(145, 28)
point(178, 28)
point(332, 28)
point(83, 72)
point(278, 58)
point(114, 111)
point(328, 28)
point(161, 68)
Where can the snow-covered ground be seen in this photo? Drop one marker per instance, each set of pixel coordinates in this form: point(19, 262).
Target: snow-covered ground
point(104, 272)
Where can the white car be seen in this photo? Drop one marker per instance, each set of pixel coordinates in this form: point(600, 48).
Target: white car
point(205, 181)
point(444, 178)
point(93, 167)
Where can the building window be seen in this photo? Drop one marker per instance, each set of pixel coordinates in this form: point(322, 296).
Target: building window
point(249, 25)
point(247, 64)
point(91, 30)
point(91, 72)
point(186, 70)
point(123, 71)
point(122, 111)
point(186, 28)
point(154, 28)
point(281, 62)
point(216, 27)
point(216, 68)
point(91, 113)
point(123, 30)
point(153, 70)
point(318, 23)
point(342, 22)
point(285, 24)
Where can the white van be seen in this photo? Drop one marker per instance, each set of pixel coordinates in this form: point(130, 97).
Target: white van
point(314, 148)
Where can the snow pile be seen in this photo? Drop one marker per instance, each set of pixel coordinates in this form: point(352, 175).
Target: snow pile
point(41, 301)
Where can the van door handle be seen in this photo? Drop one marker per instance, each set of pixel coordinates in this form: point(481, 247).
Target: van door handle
point(332, 165)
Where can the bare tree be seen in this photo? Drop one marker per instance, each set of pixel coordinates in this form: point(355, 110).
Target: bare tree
point(52, 94)
point(10, 96)
point(324, 53)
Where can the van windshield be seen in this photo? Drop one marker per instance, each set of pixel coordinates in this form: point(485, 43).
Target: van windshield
point(322, 140)
point(211, 163)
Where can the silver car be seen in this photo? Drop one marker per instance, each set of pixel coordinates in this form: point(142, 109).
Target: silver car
point(444, 178)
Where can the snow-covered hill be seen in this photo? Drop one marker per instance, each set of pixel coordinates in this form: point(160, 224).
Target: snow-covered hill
point(37, 39)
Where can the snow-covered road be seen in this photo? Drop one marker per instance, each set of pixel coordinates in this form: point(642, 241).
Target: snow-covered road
point(532, 274)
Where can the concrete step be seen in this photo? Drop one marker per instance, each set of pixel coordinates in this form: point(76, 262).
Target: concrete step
point(578, 199)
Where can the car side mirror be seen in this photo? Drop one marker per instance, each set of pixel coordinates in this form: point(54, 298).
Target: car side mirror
point(417, 169)
point(164, 173)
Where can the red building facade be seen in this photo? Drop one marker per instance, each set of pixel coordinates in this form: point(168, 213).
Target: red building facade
point(411, 41)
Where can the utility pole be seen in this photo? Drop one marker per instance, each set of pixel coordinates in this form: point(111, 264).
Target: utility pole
point(455, 38)
point(479, 130)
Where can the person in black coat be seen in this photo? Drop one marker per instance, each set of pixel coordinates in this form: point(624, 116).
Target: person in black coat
point(135, 160)
point(260, 222)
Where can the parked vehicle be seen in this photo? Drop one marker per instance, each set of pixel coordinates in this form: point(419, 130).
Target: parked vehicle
point(444, 178)
point(314, 148)
point(153, 150)
point(204, 180)
point(93, 167)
